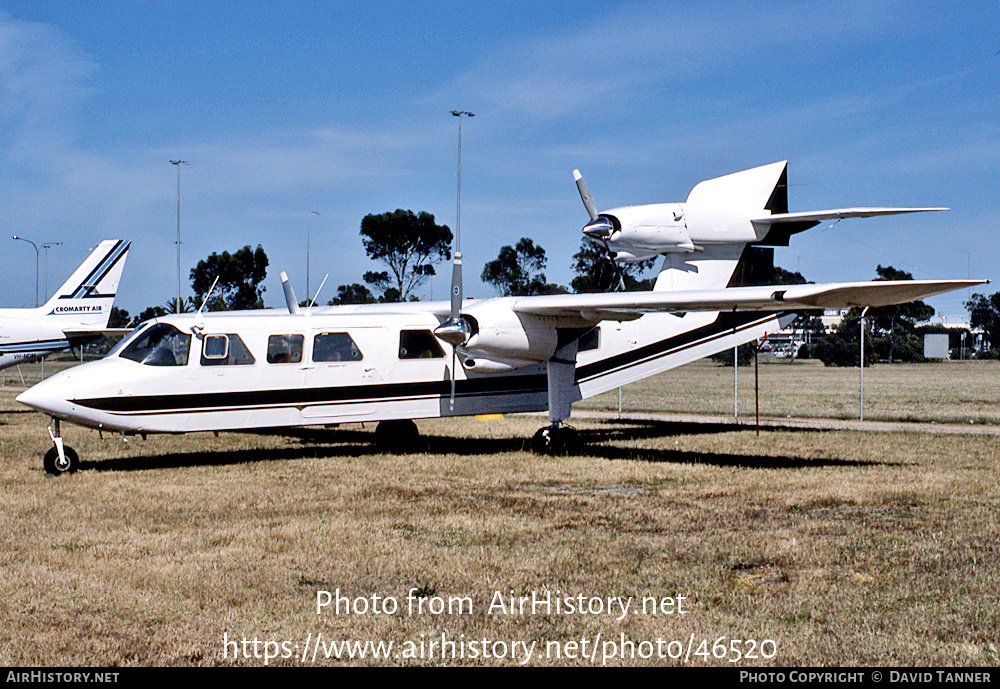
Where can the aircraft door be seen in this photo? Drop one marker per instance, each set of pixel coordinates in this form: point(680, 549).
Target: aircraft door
point(348, 356)
point(345, 367)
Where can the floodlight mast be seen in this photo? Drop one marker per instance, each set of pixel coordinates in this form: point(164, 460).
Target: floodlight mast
point(308, 219)
point(22, 239)
point(47, 246)
point(458, 209)
point(178, 163)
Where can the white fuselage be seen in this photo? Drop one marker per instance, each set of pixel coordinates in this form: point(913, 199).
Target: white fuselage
point(372, 379)
point(25, 336)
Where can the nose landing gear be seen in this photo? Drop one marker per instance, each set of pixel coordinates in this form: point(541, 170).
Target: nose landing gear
point(60, 459)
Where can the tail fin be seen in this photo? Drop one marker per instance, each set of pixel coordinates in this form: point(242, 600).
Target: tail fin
point(85, 300)
point(718, 214)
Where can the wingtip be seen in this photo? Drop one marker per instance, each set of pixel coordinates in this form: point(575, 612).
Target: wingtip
point(577, 176)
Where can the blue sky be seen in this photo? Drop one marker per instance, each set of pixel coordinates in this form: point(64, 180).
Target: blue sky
point(287, 108)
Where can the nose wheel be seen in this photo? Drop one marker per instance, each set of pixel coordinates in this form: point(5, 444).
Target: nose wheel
point(56, 465)
point(60, 459)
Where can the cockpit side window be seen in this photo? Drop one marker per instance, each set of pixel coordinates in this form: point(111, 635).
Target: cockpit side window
point(159, 345)
point(225, 350)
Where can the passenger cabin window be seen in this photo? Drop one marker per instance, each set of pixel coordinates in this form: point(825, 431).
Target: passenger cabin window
point(419, 344)
point(225, 350)
point(335, 347)
point(284, 349)
point(590, 340)
point(159, 345)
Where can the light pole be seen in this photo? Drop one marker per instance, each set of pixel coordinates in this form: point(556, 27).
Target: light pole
point(178, 163)
point(308, 218)
point(47, 246)
point(458, 210)
point(36, 265)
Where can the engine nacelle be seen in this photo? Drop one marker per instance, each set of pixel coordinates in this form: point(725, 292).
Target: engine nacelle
point(509, 339)
point(646, 231)
point(631, 255)
point(484, 364)
point(717, 211)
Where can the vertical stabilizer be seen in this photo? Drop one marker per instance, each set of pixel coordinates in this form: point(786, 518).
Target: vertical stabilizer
point(718, 215)
point(85, 300)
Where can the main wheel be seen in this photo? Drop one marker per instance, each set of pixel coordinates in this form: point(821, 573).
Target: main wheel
point(58, 467)
point(555, 440)
point(397, 436)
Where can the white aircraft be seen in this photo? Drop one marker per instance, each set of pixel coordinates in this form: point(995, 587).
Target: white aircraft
point(77, 313)
point(393, 363)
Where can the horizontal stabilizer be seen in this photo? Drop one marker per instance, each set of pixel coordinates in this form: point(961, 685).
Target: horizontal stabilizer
point(837, 214)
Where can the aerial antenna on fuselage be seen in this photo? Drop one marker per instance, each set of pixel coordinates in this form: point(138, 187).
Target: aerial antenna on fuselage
point(207, 296)
point(316, 296)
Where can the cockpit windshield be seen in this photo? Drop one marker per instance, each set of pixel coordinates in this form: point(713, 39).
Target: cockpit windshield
point(125, 340)
point(159, 345)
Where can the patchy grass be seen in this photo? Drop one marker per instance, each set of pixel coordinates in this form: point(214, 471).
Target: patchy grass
point(841, 548)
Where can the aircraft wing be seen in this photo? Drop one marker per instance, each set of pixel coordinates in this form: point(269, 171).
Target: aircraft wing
point(591, 308)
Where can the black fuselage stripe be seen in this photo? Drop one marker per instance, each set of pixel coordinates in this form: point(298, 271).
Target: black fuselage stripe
point(724, 324)
point(296, 397)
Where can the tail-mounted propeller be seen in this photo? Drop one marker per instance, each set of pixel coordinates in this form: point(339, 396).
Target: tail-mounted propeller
point(600, 227)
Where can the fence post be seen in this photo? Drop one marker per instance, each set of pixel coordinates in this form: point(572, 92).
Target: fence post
point(863, 312)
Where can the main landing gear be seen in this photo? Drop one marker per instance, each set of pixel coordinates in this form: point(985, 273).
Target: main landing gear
point(556, 439)
point(60, 459)
point(399, 435)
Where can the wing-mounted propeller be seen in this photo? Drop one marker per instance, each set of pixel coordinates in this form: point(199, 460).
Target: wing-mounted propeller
point(600, 227)
point(458, 329)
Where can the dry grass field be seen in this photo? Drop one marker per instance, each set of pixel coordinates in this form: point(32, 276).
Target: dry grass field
point(792, 548)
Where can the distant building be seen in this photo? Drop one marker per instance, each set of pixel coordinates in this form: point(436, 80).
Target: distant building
point(935, 345)
point(831, 318)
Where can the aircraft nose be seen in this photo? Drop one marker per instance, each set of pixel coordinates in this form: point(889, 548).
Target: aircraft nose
point(49, 397)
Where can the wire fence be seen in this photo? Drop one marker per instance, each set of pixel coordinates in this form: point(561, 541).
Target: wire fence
point(948, 391)
point(926, 373)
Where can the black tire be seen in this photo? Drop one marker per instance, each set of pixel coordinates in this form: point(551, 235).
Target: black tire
point(397, 436)
point(555, 441)
point(55, 467)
